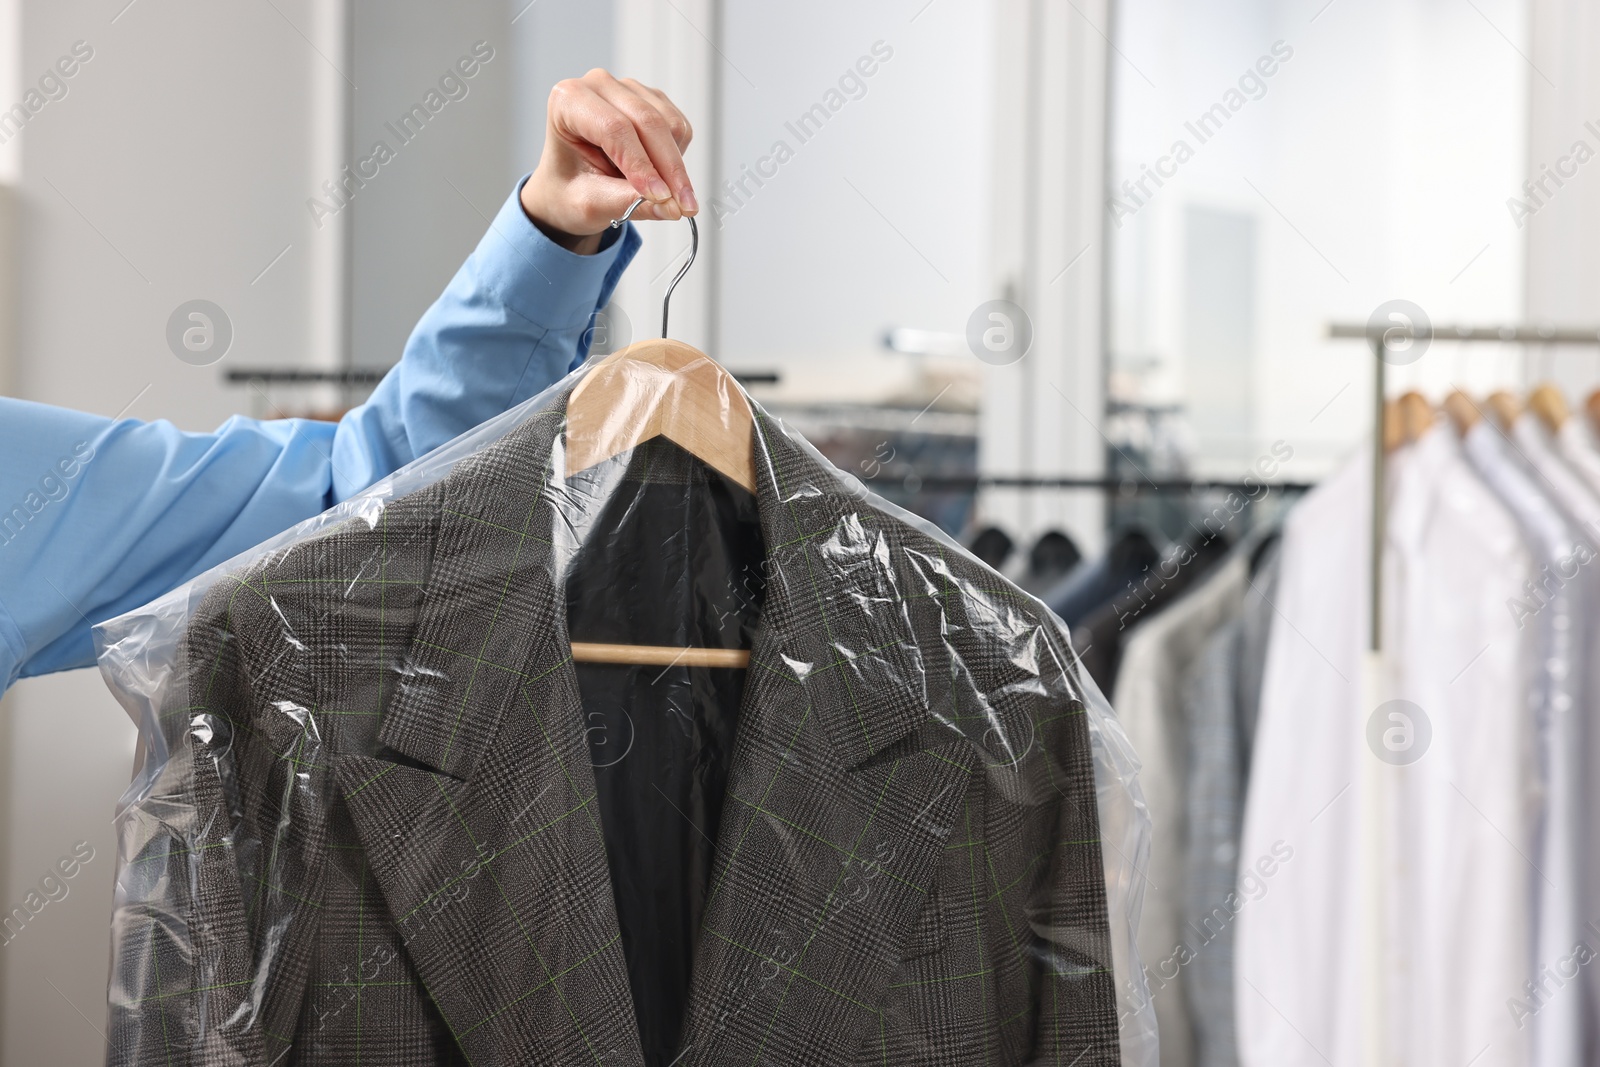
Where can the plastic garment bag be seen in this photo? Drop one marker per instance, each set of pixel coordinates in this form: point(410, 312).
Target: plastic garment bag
point(383, 816)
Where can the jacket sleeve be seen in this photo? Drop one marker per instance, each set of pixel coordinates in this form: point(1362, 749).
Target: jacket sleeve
point(100, 515)
point(219, 879)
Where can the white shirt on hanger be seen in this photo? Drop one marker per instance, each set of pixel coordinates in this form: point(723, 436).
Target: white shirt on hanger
point(1555, 476)
point(1577, 446)
point(1457, 883)
point(1300, 939)
point(1532, 481)
point(1149, 705)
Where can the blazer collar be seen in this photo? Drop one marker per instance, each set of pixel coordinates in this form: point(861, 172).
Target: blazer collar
point(842, 626)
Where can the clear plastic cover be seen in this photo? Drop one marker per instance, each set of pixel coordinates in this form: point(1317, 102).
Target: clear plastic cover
point(383, 816)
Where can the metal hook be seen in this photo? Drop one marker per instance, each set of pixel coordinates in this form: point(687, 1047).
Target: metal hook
point(694, 248)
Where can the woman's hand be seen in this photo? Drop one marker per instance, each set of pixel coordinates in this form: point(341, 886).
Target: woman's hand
point(607, 142)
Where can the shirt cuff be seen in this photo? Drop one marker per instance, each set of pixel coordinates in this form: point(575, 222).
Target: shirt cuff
point(537, 278)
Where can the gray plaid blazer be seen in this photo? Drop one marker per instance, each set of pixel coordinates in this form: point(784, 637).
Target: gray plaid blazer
point(374, 837)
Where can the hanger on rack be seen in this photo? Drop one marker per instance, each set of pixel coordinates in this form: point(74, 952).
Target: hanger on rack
point(1505, 407)
point(1462, 411)
point(1416, 416)
point(662, 388)
point(1547, 402)
point(1405, 420)
point(1591, 407)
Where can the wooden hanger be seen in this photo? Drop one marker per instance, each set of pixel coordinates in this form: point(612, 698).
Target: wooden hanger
point(1462, 411)
point(1416, 415)
point(1547, 402)
point(662, 388)
point(1505, 407)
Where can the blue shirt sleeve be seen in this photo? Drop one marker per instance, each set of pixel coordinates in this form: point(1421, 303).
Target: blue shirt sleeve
point(99, 516)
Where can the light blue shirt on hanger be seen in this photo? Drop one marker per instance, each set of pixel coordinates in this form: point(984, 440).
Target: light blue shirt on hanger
point(99, 515)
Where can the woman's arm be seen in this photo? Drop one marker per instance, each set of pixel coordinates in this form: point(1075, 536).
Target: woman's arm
point(99, 516)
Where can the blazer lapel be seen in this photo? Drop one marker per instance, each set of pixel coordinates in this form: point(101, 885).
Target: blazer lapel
point(477, 811)
point(844, 789)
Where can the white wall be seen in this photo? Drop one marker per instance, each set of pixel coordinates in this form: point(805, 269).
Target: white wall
point(1563, 275)
point(1376, 165)
point(880, 218)
point(415, 222)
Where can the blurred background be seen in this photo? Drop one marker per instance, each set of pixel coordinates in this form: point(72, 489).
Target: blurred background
point(1163, 310)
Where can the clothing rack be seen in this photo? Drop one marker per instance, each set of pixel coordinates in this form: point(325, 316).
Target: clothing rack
point(304, 376)
point(1381, 336)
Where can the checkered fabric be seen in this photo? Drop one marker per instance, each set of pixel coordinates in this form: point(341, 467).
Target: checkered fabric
point(374, 839)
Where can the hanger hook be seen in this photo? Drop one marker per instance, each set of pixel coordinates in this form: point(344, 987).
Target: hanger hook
point(694, 248)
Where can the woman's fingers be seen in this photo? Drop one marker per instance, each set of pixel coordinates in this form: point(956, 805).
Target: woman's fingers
point(682, 131)
point(655, 131)
point(605, 137)
point(610, 142)
point(601, 199)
